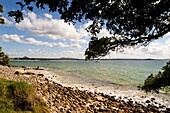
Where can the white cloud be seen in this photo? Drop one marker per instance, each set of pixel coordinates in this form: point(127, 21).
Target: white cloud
point(35, 42)
point(37, 52)
point(103, 33)
point(13, 37)
point(49, 16)
point(50, 28)
point(8, 22)
point(87, 24)
point(81, 41)
point(60, 44)
point(20, 39)
point(73, 54)
point(76, 46)
point(156, 49)
point(12, 52)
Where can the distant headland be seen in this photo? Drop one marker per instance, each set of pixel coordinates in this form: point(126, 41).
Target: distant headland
point(65, 58)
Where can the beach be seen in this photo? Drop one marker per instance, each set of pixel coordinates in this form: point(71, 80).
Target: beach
point(62, 98)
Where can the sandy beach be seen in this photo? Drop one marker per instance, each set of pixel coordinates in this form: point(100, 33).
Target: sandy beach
point(62, 97)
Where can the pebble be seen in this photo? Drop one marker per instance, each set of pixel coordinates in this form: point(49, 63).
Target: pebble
point(69, 100)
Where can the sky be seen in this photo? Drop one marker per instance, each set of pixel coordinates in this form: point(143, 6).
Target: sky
point(44, 34)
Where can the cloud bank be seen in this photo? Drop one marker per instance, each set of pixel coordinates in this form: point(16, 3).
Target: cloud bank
point(51, 28)
point(20, 39)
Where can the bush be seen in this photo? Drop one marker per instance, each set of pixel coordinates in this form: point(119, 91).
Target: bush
point(160, 81)
point(20, 97)
point(5, 59)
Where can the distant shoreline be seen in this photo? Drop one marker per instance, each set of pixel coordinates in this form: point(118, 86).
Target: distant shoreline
point(18, 58)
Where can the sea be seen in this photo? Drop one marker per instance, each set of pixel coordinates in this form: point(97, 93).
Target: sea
point(117, 76)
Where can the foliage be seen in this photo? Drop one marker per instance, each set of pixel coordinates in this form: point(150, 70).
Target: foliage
point(131, 22)
point(5, 59)
point(19, 97)
point(1, 19)
point(159, 81)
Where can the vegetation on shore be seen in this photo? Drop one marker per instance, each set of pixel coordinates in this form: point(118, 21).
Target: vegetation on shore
point(4, 59)
point(20, 97)
point(158, 82)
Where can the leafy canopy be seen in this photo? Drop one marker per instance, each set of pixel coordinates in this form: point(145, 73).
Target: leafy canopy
point(131, 22)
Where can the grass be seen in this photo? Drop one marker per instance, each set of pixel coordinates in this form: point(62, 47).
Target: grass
point(20, 97)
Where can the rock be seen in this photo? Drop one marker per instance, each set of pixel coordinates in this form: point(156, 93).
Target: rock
point(162, 106)
point(30, 73)
point(140, 111)
point(168, 109)
point(131, 101)
point(103, 110)
point(41, 75)
point(147, 101)
point(152, 99)
point(154, 109)
point(155, 103)
point(121, 106)
point(17, 72)
point(92, 106)
point(114, 108)
point(143, 96)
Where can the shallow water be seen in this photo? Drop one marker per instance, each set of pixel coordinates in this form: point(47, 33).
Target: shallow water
point(119, 77)
point(122, 72)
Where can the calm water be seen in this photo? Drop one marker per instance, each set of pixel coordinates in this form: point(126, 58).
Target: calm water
point(119, 77)
point(122, 72)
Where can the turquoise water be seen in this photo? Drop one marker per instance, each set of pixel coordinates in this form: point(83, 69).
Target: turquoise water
point(122, 72)
point(113, 77)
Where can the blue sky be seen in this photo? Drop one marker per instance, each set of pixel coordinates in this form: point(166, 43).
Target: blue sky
point(44, 34)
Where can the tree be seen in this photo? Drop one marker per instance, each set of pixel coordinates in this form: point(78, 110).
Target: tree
point(130, 22)
point(158, 82)
point(1, 19)
point(4, 58)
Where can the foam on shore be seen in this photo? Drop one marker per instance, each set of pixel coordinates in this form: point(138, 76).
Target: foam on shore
point(111, 90)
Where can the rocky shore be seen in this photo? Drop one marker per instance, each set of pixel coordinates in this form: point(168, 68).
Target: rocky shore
point(61, 99)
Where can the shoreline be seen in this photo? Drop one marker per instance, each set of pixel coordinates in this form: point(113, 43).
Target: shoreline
point(115, 90)
point(75, 98)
